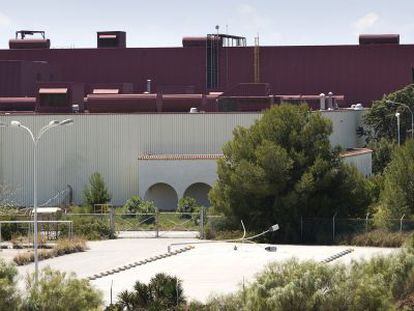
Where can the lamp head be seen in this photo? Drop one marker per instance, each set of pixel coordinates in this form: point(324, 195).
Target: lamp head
point(66, 122)
point(274, 228)
point(53, 122)
point(397, 114)
point(15, 123)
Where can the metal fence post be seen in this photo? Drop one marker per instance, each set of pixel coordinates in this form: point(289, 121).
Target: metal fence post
point(70, 230)
point(112, 221)
point(157, 223)
point(366, 222)
point(202, 209)
point(333, 227)
point(401, 222)
point(301, 228)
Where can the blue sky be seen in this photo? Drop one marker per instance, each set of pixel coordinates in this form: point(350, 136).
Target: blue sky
point(73, 23)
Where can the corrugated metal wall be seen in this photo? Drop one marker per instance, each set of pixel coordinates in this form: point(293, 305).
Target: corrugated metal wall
point(111, 143)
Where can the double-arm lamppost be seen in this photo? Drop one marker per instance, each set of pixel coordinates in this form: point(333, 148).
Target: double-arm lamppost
point(35, 139)
point(409, 109)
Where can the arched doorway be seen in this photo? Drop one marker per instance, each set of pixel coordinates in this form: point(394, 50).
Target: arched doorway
point(199, 191)
point(163, 195)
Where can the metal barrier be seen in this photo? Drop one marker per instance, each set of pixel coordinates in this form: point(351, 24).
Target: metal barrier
point(40, 222)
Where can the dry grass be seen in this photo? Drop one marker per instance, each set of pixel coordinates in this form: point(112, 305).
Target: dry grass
point(69, 246)
point(28, 257)
point(62, 247)
point(377, 238)
point(20, 242)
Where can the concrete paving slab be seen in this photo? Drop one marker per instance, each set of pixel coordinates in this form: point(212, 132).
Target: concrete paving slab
point(214, 268)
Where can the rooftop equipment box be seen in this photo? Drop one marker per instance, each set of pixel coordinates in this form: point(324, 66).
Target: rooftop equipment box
point(111, 39)
point(60, 97)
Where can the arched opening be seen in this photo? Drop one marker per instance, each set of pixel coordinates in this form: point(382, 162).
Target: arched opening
point(199, 191)
point(163, 195)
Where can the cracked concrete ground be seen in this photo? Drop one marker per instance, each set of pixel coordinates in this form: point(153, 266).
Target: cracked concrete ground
point(207, 269)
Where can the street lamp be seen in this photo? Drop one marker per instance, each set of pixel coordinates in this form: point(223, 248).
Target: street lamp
point(409, 109)
point(271, 229)
point(35, 139)
point(397, 114)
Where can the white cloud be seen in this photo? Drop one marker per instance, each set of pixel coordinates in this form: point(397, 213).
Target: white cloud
point(365, 22)
point(4, 20)
point(251, 18)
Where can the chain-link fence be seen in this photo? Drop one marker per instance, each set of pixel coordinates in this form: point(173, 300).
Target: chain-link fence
point(200, 224)
point(332, 230)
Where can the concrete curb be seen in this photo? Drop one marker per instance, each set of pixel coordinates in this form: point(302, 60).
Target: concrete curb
point(338, 255)
point(139, 263)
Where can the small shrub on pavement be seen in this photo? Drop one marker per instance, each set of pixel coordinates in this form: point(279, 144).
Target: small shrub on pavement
point(59, 291)
point(62, 247)
point(9, 294)
point(162, 293)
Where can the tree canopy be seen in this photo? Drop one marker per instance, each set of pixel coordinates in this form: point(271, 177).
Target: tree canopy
point(397, 197)
point(283, 167)
point(381, 117)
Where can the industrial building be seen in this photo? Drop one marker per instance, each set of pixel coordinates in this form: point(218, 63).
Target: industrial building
point(216, 72)
point(162, 156)
point(152, 121)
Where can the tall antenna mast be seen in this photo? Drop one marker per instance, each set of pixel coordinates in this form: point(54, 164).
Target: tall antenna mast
point(256, 63)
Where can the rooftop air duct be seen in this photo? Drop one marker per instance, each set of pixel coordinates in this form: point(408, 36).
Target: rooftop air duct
point(20, 42)
point(379, 39)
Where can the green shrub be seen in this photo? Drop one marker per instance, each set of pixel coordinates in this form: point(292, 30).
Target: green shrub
point(410, 243)
point(9, 294)
point(186, 206)
point(381, 283)
point(59, 291)
point(377, 238)
point(96, 192)
point(91, 228)
point(10, 230)
point(133, 204)
point(162, 293)
point(147, 207)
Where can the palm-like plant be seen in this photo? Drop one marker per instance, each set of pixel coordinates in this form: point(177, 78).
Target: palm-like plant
point(163, 292)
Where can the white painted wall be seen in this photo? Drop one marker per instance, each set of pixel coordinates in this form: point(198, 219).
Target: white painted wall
point(180, 174)
point(111, 144)
point(363, 162)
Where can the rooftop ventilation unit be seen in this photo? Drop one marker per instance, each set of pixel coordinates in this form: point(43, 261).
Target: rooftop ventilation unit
point(379, 39)
point(111, 39)
point(20, 42)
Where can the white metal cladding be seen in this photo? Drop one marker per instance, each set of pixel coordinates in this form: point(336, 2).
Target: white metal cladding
point(111, 144)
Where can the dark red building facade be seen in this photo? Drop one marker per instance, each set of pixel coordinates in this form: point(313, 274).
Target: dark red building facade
point(361, 73)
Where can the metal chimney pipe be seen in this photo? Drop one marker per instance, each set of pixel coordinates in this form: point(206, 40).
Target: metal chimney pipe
point(330, 101)
point(322, 100)
point(148, 86)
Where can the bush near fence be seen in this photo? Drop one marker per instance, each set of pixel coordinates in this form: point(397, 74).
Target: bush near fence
point(321, 231)
point(90, 227)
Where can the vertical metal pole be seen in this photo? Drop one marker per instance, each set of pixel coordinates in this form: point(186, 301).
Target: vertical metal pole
point(111, 221)
point(157, 223)
point(398, 130)
point(333, 228)
point(202, 223)
point(412, 124)
point(401, 222)
point(366, 222)
point(36, 259)
point(301, 228)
